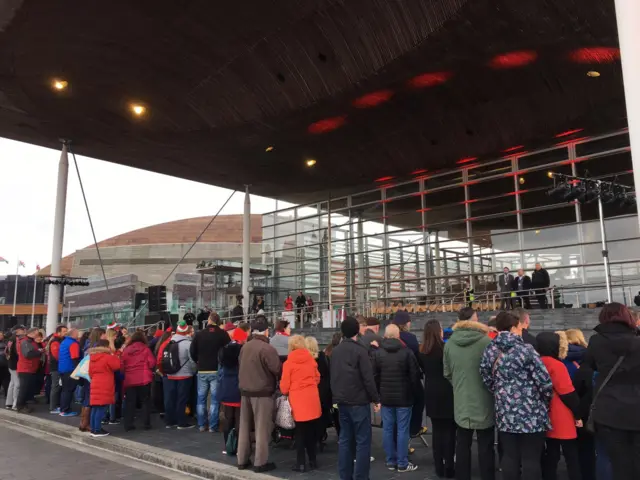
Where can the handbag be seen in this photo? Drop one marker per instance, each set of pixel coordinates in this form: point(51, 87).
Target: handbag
point(232, 443)
point(82, 370)
point(591, 426)
point(284, 417)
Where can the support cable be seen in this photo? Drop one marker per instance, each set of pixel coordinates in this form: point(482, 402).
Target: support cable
point(199, 237)
point(93, 232)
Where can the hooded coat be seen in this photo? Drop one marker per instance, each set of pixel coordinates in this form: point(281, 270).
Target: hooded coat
point(472, 402)
point(617, 404)
point(102, 366)
point(300, 379)
point(137, 365)
point(522, 388)
point(397, 374)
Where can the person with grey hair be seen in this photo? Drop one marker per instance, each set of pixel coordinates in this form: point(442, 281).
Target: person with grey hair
point(398, 376)
point(260, 368)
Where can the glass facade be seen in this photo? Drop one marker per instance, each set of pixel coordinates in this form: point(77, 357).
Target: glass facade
point(428, 236)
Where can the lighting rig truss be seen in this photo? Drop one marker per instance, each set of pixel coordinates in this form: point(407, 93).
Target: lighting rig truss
point(588, 190)
point(66, 281)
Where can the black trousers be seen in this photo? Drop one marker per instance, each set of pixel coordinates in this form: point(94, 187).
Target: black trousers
point(231, 420)
point(132, 395)
point(521, 452)
point(157, 394)
point(506, 301)
point(417, 413)
point(541, 296)
point(444, 444)
point(486, 455)
point(623, 447)
point(5, 379)
point(28, 383)
point(551, 458)
point(587, 454)
point(306, 436)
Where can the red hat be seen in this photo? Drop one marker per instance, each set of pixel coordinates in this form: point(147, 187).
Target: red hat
point(229, 326)
point(239, 335)
point(158, 333)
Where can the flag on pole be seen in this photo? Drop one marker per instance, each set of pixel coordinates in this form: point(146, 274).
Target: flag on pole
point(37, 268)
point(2, 259)
point(21, 264)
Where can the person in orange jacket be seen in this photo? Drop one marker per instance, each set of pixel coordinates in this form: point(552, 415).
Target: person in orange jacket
point(300, 379)
point(102, 365)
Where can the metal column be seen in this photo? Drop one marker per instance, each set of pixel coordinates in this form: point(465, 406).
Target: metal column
point(516, 188)
point(425, 237)
point(467, 212)
point(628, 19)
point(362, 292)
point(583, 260)
point(58, 238)
point(386, 268)
point(246, 250)
point(329, 263)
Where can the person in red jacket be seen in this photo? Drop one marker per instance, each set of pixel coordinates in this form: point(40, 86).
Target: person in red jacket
point(29, 354)
point(102, 365)
point(137, 366)
point(300, 379)
point(564, 411)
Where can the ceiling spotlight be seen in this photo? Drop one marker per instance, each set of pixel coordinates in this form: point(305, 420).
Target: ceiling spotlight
point(550, 174)
point(593, 74)
point(269, 149)
point(310, 163)
point(59, 85)
point(138, 110)
point(537, 232)
point(521, 180)
point(588, 192)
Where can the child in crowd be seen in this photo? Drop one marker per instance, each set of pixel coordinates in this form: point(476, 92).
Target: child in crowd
point(102, 366)
point(564, 411)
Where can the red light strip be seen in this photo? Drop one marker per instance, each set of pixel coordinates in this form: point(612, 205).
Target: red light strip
point(466, 160)
point(569, 142)
point(513, 149)
point(569, 132)
point(418, 172)
point(384, 179)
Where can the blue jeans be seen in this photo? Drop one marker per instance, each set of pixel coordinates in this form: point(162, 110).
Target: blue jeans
point(355, 433)
point(97, 414)
point(396, 445)
point(176, 397)
point(207, 382)
point(603, 463)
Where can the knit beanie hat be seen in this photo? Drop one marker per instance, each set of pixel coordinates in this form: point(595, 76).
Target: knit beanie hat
point(401, 318)
point(112, 325)
point(182, 327)
point(349, 327)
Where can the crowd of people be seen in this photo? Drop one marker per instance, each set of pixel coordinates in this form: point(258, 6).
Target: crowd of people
point(543, 397)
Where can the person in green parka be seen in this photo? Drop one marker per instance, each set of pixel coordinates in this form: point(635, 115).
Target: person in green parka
point(472, 402)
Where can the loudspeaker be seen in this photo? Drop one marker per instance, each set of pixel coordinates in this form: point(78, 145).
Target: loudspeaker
point(157, 298)
point(140, 299)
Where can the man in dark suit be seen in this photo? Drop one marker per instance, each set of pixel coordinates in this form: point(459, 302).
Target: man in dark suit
point(505, 285)
point(540, 281)
point(522, 286)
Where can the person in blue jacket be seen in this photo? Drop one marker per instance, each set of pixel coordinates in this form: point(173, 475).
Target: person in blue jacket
point(69, 358)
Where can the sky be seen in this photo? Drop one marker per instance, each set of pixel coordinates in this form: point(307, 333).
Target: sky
point(120, 199)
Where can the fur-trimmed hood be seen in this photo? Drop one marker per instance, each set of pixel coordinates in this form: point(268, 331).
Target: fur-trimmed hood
point(93, 350)
point(468, 332)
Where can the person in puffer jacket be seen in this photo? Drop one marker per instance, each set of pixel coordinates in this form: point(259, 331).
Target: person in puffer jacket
point(522, 388)
point(102, 365)
point(137, 365)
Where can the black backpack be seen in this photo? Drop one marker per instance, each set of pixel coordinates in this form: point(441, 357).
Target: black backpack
point(171, 358)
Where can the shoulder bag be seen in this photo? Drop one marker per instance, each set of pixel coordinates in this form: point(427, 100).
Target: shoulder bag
point(590, 425)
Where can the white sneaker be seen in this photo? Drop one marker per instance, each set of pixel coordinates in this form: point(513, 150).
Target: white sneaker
point(409, 468)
